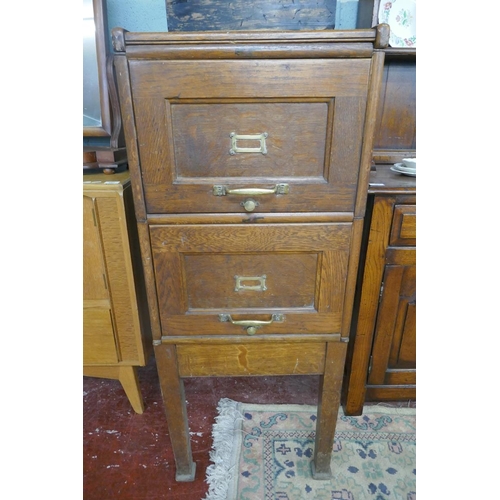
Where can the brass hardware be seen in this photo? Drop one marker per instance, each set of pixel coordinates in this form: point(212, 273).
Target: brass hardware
point(261, 287)
point(249, 205)
point(250, 325)
point(219, 190)
point(248, 137)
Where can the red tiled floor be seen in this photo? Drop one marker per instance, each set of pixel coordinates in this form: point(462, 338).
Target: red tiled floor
point(128, 456)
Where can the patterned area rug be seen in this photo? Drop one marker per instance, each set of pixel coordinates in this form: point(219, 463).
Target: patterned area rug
point(264, 452)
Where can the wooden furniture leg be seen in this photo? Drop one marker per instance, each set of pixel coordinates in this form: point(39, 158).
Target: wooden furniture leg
point(328, 407)
point(127, 375)
point(174, 400)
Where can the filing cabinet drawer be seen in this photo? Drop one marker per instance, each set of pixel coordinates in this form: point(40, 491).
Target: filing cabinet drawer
point(219, 279)
point(290, 129)
point(404, 226)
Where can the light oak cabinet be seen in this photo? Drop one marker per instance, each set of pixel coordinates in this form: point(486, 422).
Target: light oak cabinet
point(116, 332)
point(250, 155)
point(381, 363)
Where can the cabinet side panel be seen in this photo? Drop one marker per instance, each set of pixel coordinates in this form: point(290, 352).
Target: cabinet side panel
point(120, 275)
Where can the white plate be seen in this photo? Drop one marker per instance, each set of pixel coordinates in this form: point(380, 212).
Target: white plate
point(399, 168)
point(401, 16)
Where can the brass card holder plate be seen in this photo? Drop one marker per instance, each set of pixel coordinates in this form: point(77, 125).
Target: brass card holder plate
point(259, 287)
point(235, 149)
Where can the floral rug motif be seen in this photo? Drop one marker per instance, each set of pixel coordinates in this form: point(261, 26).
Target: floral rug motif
point(264, 452)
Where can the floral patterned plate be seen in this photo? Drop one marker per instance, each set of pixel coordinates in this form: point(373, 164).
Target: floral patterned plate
point(401, 16)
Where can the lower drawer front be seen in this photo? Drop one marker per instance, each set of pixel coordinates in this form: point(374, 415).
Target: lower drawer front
point(291, 277)
point(251, 359)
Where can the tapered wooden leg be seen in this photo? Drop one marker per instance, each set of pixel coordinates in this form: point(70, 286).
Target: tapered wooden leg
point(174, 400)
point(328, 408)
point(127, 375)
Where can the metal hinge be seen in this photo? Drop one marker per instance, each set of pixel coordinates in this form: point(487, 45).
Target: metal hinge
point(95, 219)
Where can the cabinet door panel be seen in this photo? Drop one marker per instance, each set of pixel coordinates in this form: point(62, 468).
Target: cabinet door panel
point(298, 270)
point(394, 345)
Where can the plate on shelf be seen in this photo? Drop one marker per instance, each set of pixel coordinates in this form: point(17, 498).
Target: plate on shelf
point(399, 168)
point(401, 16)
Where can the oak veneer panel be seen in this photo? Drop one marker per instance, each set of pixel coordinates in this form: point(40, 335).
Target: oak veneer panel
point(94, 272)
point(295, 145)
point(120, 275)
point(222, 79)
point(98, 337)
point(249, 359)
point(289, 280)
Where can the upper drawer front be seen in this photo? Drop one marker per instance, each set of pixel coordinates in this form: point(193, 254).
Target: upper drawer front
point(404, 226)
point(250, 273)
point(290, 127)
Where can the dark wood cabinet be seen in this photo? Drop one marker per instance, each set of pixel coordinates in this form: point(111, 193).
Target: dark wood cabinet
point(381, 362)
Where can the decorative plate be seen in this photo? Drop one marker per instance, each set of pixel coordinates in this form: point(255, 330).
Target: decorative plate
point(399, 168)
point(401, 16)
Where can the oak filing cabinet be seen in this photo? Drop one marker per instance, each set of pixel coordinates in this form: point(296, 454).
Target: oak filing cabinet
point(250, 155)
point(116, 332)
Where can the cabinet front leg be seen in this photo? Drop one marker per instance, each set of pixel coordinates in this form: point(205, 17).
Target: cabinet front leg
point(328, 408)
point(174, 400)
point(127, 375)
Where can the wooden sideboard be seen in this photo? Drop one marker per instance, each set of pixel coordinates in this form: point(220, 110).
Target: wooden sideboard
point(116, 331)
point(381, 363)
point(250, 155)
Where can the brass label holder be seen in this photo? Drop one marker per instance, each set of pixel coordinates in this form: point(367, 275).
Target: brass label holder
point(235, 149)
point(260, 287)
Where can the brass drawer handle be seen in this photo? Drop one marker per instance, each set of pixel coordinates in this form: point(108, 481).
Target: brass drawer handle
point(219, 190)
point(251, 325)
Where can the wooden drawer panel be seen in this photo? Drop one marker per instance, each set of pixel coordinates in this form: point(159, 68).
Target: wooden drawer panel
point(247, 359)
point(250, 272)
point(98, 336)
point(186, 113)
point(203, 146)
point(404, 226)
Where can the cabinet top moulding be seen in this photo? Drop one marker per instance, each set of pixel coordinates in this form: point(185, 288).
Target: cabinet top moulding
point(241, 44)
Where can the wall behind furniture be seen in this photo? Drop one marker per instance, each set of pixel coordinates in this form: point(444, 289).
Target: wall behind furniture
point(151, 15)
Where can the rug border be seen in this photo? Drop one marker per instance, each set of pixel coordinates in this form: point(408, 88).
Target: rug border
point(392, 410)
point(235, 434)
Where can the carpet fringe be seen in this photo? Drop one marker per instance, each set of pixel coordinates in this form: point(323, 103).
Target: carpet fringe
point(224, 451)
